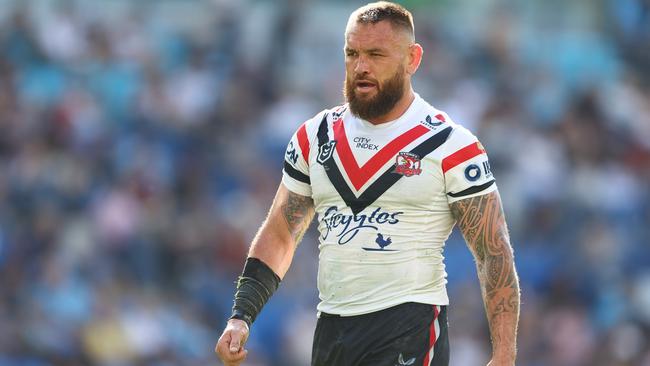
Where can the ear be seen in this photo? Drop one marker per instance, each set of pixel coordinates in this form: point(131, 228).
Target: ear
point(414, 58)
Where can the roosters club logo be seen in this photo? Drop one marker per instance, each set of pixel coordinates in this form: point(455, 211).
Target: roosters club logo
point(407, 164)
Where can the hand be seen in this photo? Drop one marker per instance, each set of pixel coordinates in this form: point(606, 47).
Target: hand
point(503, 361)
point(230, 347)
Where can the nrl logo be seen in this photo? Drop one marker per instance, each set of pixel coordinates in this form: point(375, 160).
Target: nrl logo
point(325, 151)
point(407, 164)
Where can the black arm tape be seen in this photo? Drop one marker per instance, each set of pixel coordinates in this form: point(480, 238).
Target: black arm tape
point(254, 288)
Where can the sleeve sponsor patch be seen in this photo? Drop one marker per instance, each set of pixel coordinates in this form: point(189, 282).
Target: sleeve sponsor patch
point(296, 163)
point(467, 172)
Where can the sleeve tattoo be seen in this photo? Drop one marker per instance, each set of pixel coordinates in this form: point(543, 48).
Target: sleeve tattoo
point(297, 212)
point(482, 223)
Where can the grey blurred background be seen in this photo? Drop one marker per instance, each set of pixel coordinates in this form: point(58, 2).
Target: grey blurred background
point(141, 143)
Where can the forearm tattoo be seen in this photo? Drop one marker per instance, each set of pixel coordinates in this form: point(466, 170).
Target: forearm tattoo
point(297, 212)
point(482, 223)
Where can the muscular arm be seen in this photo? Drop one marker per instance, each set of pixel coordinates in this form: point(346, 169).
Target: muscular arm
point(274, 244)
point(482, 223)
point(279, 235)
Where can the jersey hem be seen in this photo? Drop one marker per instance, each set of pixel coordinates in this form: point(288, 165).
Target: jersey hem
point(423, 299)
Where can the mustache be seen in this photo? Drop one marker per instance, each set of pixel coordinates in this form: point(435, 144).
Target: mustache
point(356, 78)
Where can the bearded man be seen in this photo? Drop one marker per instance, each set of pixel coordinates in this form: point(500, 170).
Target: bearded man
point(389, 176)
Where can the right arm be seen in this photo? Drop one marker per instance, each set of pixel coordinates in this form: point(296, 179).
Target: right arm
point(279, 235)
point(274, 245)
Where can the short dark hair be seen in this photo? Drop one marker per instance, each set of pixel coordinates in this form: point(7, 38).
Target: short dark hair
point(396, 14)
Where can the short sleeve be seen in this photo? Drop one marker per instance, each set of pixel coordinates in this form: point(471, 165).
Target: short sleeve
point(466, 168)
point(295, 174)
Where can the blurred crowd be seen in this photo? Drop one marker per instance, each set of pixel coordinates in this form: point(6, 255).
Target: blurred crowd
point(141, 143)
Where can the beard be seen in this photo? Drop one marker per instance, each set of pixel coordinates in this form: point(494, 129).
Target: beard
point(368, 108)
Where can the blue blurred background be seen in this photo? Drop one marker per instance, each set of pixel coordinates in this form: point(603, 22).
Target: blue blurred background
point(141, 143)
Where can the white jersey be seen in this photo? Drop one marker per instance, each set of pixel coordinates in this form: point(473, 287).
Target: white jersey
point(382, 196)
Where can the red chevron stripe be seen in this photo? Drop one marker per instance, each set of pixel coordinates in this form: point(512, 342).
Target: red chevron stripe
point(360, 175)
point(461, 156)
point(303, 141)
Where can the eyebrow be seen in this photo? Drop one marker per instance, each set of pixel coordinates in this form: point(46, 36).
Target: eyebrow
point(369, 50)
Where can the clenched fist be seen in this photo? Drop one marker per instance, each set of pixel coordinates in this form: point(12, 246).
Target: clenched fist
point(230, 347)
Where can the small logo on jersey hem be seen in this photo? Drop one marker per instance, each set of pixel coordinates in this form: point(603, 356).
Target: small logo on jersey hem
point(407, 164)
point(401, 362)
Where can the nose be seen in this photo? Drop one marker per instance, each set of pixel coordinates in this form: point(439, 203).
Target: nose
point(361, 66)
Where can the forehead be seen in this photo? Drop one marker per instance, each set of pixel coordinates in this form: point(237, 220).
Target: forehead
point(378, 35)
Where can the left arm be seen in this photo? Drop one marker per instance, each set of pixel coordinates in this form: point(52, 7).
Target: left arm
point(482, 223)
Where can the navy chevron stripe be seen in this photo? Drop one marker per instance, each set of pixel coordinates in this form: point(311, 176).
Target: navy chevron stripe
point(387, 179)
point(332, 170)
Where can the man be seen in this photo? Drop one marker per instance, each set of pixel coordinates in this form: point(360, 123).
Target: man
point(388, 176)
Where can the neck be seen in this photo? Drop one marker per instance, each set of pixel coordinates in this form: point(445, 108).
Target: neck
point(398, 110)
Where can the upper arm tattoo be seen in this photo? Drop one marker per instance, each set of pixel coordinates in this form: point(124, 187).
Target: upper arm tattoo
point(482, 223)
point(297, 212)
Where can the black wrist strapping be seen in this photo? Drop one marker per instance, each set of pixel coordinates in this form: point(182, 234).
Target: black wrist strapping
point(254, 288)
